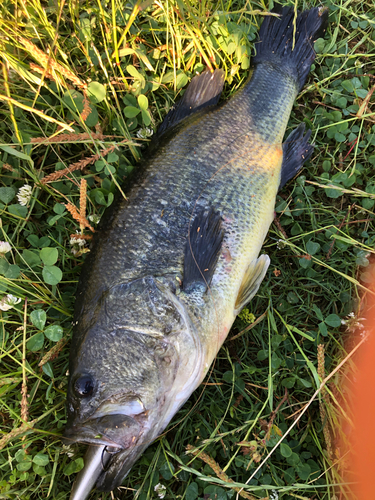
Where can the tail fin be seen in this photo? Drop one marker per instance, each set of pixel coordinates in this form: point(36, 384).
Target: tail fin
point(276, 36)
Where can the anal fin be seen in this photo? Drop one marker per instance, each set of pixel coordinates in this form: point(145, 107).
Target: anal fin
point(296, 150)
point(251, 281)
point(202, 250)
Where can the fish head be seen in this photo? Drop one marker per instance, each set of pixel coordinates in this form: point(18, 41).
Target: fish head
point(132, 365)
point(108, 403)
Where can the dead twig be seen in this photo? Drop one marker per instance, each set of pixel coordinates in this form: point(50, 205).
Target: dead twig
point(218, 470)
point(324, 401)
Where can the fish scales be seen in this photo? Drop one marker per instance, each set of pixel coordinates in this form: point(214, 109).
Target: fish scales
point(147, 323)
point(147, 231)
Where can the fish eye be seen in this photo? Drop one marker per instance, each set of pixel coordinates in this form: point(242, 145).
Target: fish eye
point(84, 386)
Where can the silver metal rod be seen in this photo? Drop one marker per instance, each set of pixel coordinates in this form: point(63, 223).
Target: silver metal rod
point(96, 457)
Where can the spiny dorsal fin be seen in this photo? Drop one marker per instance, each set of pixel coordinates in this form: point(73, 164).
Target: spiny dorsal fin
point(204, 90)
point(202, 249)
point(296, 150)
point(251, 281)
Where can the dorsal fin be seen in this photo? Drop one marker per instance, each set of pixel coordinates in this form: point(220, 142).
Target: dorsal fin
point(204, 90)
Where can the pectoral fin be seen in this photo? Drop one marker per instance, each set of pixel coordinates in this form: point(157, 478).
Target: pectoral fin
point(296, 150)
point(251, 281)
point(202, 250)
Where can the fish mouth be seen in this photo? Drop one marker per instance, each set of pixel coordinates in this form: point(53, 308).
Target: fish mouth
point(115, 430)
point(113, 440)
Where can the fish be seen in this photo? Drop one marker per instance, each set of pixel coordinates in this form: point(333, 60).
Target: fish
point(173, 263)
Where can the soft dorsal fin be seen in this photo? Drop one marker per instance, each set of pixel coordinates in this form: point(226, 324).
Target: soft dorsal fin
point(204, 90)
point(296, 150)
point(251, 281)
point(202, 249)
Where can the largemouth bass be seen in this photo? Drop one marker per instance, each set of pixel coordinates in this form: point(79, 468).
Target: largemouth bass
point(174, 263)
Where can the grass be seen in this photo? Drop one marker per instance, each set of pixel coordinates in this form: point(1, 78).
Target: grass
point(83, 85)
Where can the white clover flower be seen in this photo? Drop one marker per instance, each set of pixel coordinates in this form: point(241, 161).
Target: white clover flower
point(68, 450)
point(274, 495)
point(281, 244)
point(80, 242)
point(352, 321)
point(8, 302)
point(95, 218)
point(161, 490)
point(144, 133)
point(4, 248)
point(77, 242)
point(24, 195)
point(364, 334)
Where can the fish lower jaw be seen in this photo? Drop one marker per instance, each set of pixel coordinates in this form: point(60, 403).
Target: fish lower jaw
point(114, 431)
point(90, 439)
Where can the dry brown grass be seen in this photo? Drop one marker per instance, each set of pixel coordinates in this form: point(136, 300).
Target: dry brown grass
point(323, 402)
point(219, 471)
point(46, 61)
point(80, 165)
point(83, 222)
point(71, 138)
